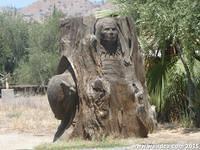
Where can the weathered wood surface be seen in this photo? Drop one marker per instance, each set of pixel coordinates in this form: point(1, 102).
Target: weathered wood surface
point(113, 98)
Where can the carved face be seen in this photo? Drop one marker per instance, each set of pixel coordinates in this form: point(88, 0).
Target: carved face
point(106, 30)
point(109, 32)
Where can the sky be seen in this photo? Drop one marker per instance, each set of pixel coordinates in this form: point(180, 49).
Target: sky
point(21, 3)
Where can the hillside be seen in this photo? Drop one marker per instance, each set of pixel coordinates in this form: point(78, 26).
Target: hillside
point(41, 9)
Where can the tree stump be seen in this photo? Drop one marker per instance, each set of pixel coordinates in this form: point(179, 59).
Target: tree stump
point(103, 57)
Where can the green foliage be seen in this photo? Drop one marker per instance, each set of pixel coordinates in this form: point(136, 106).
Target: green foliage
point(162, 25)
point(185, 121)
point(43, 53)
point(40, 67)
point(175, 98)
point(29, 51)
point(13, 41)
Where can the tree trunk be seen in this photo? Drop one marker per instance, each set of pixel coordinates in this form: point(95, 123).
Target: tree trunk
point(113, 98)
point(193, 105)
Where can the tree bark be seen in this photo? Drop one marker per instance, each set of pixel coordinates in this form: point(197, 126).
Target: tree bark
point(109, 104)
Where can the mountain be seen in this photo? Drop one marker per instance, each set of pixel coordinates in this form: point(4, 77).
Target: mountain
point(41, 9)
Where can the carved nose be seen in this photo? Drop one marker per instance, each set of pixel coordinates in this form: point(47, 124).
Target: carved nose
point(111, 33)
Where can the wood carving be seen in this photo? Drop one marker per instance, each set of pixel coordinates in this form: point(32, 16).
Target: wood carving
point(107, 75)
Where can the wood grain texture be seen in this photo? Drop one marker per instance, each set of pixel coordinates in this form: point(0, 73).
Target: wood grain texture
point(113, 98)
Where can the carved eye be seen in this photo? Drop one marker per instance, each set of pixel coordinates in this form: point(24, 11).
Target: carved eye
point(114, 29)
point(106, 29)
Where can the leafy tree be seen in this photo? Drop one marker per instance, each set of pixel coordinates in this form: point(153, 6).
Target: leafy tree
point(169, 33)
point(38, 69)
point(13, 41)
point(43, 52)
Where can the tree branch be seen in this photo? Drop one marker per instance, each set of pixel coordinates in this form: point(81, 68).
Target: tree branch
point(191, 88)
point(188, 74)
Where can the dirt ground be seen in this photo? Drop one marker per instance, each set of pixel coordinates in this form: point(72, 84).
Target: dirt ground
point(24, 125)
point(19, 141)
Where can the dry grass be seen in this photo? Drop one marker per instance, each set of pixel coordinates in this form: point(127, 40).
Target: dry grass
point(33, 115)
point(27, 114)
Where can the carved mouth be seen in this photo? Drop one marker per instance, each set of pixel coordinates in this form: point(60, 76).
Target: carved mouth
point(111, 38)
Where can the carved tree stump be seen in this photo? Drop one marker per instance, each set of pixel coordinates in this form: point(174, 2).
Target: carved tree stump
point(113, 97)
